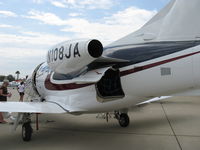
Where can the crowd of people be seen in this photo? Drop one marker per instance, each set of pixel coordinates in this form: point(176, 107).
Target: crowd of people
point(4, 94)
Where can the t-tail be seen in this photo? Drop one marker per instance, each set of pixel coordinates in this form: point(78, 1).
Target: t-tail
point(178, 21)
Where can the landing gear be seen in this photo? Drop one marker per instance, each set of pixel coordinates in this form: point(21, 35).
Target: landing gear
point(26, 128)
point(123, 119)
point(27, 131)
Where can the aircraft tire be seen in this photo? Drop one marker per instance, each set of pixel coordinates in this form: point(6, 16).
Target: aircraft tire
point(26, 132)
point(123, 120)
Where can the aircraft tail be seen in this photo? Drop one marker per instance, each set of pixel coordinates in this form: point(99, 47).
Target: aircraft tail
point(178, 21)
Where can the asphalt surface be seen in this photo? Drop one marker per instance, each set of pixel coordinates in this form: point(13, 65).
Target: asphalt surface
point(173, 124)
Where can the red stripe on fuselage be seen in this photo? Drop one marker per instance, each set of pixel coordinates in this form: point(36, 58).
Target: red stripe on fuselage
point(137, 69)
point(52, 86)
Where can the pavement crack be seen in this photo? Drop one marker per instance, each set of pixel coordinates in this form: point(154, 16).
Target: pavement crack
point(171, 126)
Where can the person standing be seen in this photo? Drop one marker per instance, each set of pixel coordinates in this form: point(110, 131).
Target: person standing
point(21, 89)
point(3, 97)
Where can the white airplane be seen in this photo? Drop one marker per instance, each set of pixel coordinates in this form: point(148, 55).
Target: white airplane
point(81, 76)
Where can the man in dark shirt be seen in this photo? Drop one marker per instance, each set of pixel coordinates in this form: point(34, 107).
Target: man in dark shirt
point(3, 97)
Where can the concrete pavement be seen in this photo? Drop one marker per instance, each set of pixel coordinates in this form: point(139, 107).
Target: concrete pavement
point(173, 124)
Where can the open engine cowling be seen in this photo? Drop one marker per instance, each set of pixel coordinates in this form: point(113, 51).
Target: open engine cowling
point(71, 56)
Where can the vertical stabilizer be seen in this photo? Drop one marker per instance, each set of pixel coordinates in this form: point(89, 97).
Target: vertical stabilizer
point(182, 22)
point(178, 21)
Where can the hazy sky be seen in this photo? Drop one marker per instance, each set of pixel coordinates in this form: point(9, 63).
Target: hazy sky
point(28, 28)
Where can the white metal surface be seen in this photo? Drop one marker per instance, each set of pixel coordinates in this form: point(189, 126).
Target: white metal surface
point(31, 107)
point(137, 86)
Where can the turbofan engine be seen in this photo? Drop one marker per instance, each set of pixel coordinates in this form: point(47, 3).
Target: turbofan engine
point(70, 56)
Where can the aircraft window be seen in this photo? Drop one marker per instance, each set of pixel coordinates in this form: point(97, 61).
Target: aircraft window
point(44, 69)
point(69, 76)
point(58, 76)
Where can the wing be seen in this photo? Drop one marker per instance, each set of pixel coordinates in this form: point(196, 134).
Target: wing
point(154, 100)
point(31, 107)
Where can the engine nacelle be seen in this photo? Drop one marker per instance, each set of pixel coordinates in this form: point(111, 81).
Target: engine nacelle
point(71, 56)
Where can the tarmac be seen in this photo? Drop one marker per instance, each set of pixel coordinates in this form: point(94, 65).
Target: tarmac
point(172, 124)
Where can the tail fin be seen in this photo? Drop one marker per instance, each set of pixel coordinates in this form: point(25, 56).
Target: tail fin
point(178, 21)
point(182, 22)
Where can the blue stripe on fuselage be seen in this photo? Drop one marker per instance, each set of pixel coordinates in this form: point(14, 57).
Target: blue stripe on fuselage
point(137, 53)
point(142, 52)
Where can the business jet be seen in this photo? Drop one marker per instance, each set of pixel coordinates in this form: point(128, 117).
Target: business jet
point(81, 76)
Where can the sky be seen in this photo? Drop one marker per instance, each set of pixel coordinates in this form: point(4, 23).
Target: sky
point(28, 28)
